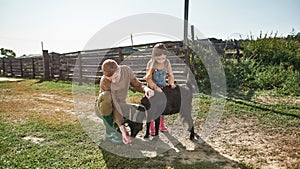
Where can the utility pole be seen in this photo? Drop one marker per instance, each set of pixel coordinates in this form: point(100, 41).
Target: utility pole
point(185, 32)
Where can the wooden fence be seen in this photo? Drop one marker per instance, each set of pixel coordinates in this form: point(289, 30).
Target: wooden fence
point(23, 67)
point(84, 66)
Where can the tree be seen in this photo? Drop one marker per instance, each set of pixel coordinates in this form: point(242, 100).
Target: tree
point(8, 53)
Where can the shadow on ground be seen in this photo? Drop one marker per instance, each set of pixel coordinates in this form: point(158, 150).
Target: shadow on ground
point(180, 154)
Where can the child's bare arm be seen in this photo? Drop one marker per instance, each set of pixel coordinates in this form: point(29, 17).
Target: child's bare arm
point(149, 80)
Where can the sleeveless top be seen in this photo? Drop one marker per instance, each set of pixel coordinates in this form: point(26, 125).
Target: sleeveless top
point(159, 76)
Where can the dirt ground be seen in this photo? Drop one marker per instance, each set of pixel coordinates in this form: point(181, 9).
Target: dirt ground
point(235, 141)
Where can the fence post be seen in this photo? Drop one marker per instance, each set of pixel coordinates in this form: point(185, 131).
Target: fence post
point(51, 66)
point(21, 67)
point(192, 66)
point(121, 56)
point(68, 70)
point(3, 66)
point(80, 68)
point(60, 67)
point(46, 65)
point(187, 56)
point(11, 68)
point(33, 67)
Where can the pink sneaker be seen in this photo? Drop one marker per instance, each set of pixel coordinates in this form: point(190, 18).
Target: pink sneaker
point(152, 128)
point(162, 127)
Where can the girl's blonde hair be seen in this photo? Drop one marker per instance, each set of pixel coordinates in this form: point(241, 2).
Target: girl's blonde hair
point(158, 50)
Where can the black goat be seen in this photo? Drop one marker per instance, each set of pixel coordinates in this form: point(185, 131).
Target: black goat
point(170, 101)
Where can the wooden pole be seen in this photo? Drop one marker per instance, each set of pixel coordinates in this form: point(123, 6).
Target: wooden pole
point(21, 68)
point(193, 47)
point(185, 32)
point(46, 64)
point(11, 68)
point(33, 67)
point(186, 15)
point(121, 56)
point(80, 68)
point(3, 66)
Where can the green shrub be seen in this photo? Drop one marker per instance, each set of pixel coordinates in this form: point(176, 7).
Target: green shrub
point(200, 70)
point(277, 77)
point(268, 63)
point(240, 74)
point(273, 51)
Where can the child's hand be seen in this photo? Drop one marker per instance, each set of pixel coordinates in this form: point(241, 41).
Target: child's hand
point(173, 86)
point(159, 89)
point(125, 136)
point(148, 92)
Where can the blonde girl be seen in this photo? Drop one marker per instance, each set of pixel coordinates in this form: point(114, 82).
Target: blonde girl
point(157, 71)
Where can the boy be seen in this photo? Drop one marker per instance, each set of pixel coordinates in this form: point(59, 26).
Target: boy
point(114, 86)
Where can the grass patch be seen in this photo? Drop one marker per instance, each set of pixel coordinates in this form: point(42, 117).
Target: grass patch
point(63, 146)
point(52, 87)
point(66, 145)
point(279, 115)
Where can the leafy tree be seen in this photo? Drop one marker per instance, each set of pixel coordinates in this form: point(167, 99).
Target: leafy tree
point(7, 53)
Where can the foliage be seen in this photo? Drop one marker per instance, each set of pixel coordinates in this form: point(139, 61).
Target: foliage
point(274, 51)
point(284, 80)
point(240, 74)
point(8, 53)
point(201, 55)
point(249, 74)
point(267, 63)
point(67, 145)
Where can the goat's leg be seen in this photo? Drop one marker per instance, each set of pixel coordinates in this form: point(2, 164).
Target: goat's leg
point(187, 118)
point(157, 122)
point(191, 127)
point(192, 133)
point(147, 130)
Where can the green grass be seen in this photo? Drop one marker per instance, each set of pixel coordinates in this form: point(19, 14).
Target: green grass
point(276, 115)
point(66, 145)
point(64, 85)
point(279, 115)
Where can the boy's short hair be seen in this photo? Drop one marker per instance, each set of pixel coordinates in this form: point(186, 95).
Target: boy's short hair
point(109, 67)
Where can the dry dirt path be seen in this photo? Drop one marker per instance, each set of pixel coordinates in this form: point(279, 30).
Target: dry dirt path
point(237, 142)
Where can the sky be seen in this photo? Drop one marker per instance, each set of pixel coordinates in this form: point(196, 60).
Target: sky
point(67, 25)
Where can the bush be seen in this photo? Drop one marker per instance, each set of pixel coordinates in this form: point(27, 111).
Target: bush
point(241, 74)
point(268, 63)
point(277, 77)
point(274, 51)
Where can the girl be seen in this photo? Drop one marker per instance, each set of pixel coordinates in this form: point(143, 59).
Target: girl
point(158, 68)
